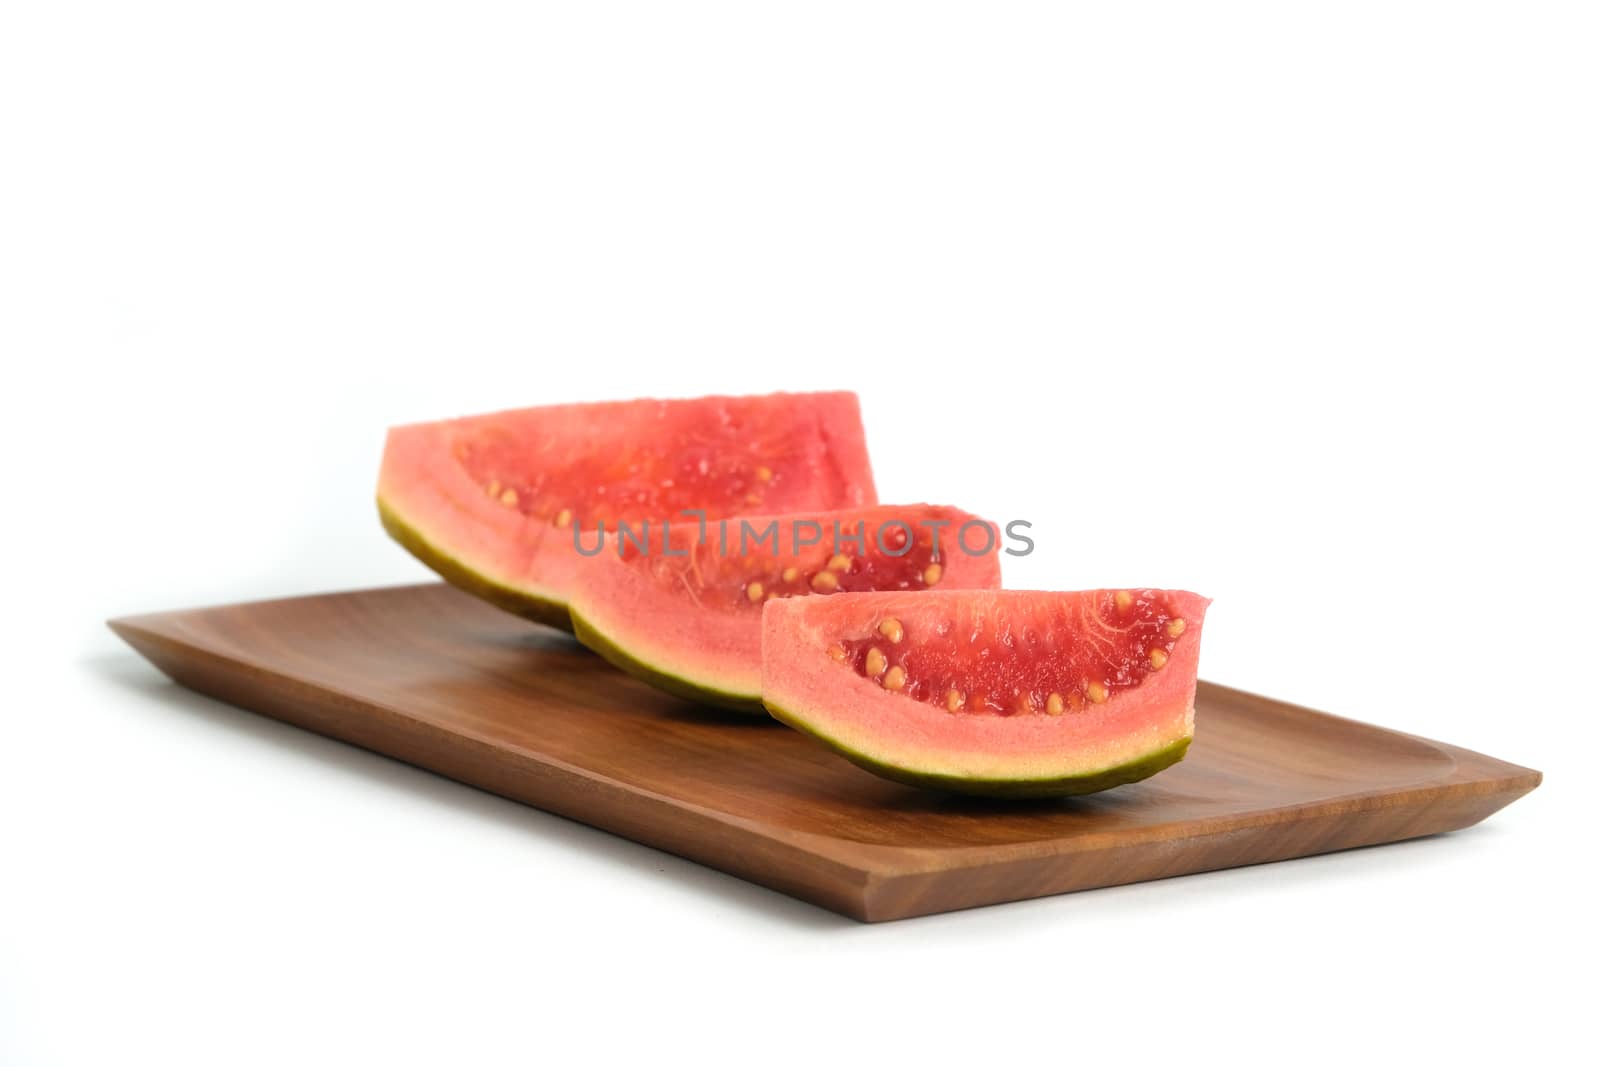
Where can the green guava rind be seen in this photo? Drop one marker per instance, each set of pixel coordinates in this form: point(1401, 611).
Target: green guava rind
point(618, 657)
point(1013, 788)
point(537, 609)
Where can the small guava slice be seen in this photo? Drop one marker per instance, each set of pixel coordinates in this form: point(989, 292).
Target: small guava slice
point(993, 692)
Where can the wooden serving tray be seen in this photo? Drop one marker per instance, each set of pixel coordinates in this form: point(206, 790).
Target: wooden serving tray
point(431, 676)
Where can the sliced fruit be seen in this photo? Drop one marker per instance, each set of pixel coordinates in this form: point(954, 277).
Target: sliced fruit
point(1004, 693)
point(497, 503)
point(686, 614)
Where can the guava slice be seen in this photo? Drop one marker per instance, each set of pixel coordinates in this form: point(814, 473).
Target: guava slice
point(1003, 693)
point(681, 608)
point(492, 502)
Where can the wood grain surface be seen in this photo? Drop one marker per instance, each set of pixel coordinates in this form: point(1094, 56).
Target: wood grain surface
point(428, 675)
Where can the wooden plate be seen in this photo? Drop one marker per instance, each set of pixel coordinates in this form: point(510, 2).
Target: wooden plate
point(433, 677)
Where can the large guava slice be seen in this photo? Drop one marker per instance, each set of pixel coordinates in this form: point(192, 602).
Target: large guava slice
point(493, 502)
point(682, 607)
point(1005, 693)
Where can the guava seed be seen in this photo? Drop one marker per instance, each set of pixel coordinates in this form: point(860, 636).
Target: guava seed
point(876, 662)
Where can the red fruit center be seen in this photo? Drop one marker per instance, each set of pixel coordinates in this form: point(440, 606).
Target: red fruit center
point(738, 469)
point(731, 569)
point(1081, 653)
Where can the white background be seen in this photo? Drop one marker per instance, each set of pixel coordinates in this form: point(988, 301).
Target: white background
point(1291, 304)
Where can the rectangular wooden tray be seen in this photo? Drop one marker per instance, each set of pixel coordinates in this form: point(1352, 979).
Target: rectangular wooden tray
point(431, 676)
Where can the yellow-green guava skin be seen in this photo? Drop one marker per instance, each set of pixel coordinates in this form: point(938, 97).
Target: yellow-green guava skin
point(1019, 788)
point(658, 676)
point(535, 608)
